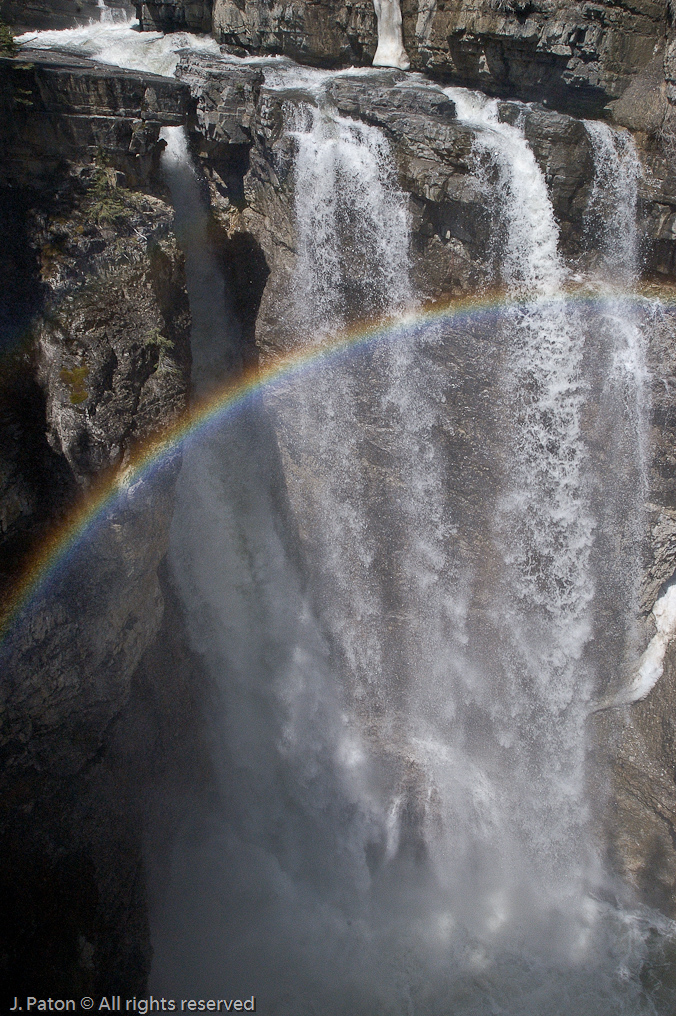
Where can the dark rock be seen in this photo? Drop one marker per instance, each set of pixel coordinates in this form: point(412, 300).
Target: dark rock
point(95, 340)
point(326, 34)
point(226, 101)
point(58, 108)
point(84, 857)
point(643, 106)
point(564, 152)
point(24, 15)
point(174, 15)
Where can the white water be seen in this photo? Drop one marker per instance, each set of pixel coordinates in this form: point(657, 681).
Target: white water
point(612, 205)
point(624, 393)
point(435, 834)
point(543, 532)
point(400, 677)
point(390, 51)
point(338, 157)
point(119, 44)
point(112, 15)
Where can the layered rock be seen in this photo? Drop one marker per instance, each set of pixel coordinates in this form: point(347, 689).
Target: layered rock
point(58, 108)
point(24, 15)
point(96, 359)
point(175, 15)
point(582, 55)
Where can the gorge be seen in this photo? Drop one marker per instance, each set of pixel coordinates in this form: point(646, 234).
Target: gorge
point(337, 507)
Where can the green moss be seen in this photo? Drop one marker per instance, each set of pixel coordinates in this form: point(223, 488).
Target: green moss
point(24, 96)
point(8, 46)
point(160, 342)
point(75, 379)
point(109, 202)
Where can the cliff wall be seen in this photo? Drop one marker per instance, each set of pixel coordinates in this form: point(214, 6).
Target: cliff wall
point(95, 325)
point(25, 15)
point(95, 358)
point(577, 55)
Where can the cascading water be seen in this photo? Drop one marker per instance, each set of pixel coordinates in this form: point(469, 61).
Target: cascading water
point(616, 366)
point(111, 15)
point(402, 661)
point(465, 841)
point(538, 696)
point(390, 51)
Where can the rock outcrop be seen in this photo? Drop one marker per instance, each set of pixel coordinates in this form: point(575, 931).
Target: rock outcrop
point(96, 359)
point(175, 15)
point(25, 15)
point(582, 56)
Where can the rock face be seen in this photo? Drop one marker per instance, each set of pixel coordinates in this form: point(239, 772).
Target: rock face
point(95, 339)
point(58, 108)
point(579, 55)
point(582, 56)
point(24, 15)
point(324, 34)
point(175, 15)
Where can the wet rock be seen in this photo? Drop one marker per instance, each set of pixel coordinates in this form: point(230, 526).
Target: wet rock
point(226, 102)
point(324, 34)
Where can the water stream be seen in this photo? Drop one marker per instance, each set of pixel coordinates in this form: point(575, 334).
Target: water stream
point(403, 657)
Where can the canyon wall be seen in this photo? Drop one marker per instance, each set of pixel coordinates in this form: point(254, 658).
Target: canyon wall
point(96, 358)
point(580, 55)
point(23, 15)
point(96, 333)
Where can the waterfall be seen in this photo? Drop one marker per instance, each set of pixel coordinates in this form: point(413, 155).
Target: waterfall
point(117, 42)
point(347, 208)
point(611, 212)
point(620, 374)
point(110, 15)
point(539, 614)
point(405, 627)
point(400, 745)
point(390, 51)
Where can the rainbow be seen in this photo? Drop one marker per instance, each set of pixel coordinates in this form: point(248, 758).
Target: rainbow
point(55, 550)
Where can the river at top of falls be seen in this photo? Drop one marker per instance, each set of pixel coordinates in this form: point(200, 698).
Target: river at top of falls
point(397, 569)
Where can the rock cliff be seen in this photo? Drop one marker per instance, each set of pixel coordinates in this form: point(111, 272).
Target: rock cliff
point(96, 358)
point(95, 332)
point(25, 15)
point(579, 55)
